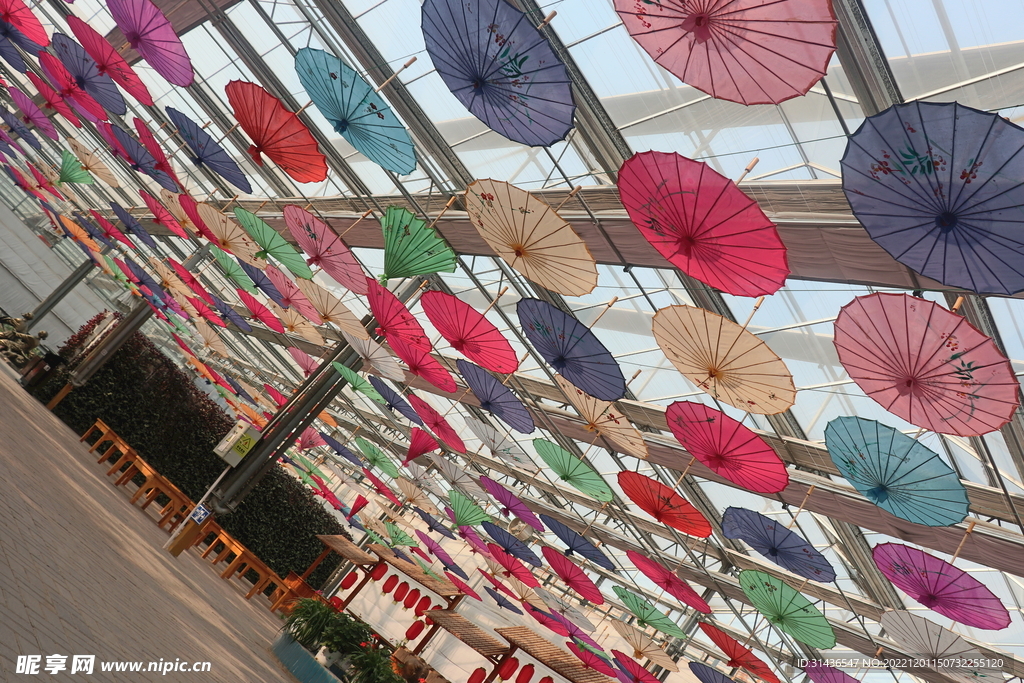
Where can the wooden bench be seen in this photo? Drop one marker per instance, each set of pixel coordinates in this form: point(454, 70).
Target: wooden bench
point(98, 426)
point(245, 562)
point(292, 588)
point(176, 510)
point(138, 466)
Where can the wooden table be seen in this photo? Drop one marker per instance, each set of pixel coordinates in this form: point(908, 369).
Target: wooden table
point(292, 588)
point(486, 645)
point(551, 656)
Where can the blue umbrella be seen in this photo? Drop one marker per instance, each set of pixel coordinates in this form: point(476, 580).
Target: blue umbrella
point(502, 601)
point(457, 570)
point(229, 314)
point(895, 472)
point(262, 282)
point(355, 111)
point(400, 555)
point(132, 225)
point(18, 127)
point(511, 545)
point(87, 74)
point(354, 522)
point(10, 40)
point(394, 401)
point(343, 452)
point(577, 544)
point(571, 349)
point(144, 278)
point(141, 160)
point(242, 393)
point(708, 675)
point(492, 57)
point(777, 543)
point(938, 186)
point(93, 231)
point(433, 524)
point(495, 397)
point(206, 152)
point(6, 149)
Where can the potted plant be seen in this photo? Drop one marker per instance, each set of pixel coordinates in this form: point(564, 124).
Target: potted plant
point(308, 621)
point(372, 664)
point(343, 637)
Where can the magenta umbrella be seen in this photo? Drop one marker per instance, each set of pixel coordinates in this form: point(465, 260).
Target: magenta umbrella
point(925, 364)
point(31, 114)
point(324, 248)
point(510, 504)
point(819, 673)
point(150, 34)
point(292, 296)
point(940, 586)
point(304, 360)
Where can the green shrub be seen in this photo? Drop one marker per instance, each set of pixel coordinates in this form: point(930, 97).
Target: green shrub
point(308, 622)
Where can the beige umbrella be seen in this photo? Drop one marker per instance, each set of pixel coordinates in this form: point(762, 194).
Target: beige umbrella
point(380, 359)
point(524, 593)
point(531, 237)
point(956, 658)
point(331, 309)
point(230, 236)
point(644, 647)
point(724, 359)
point(415, 496)
point(173, 205)
point(603, 418)
point(458, 477)
point(91, 163)
point(211, 340)
point(296, 324)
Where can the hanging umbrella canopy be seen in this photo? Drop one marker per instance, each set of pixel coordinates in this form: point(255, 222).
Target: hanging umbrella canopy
point(206, 151)
point(954, 656)
point(260, 312)
point(393, 319)
point(291, 295)
point(53, 102)
point(934, 188)
point(394, 401)
point(531, 238)
point(499, 65)
point(149, 141)
point(296, 324)
point(436, 423)
point(161, 216)
point(32, 115)
point(577, 544)
point(744, 51)
point(261, 281)
point(411, 247)
point(590, 660)
point(10, 40)
point(191, 209)
point(457, 476)
point(87, 75)
point(399, 537)
point(20, 16)
point(377, 458)
point(229, 314)
point(435, 549)
point(503, 602)
point(211, 340)
point(109, 231)
point(276, 133)
point(667, 580)
point(330, 309)
point(571, 349)
point(422, 364)
point(727, 447)
point(703, 224)
point(324, 249)
point(272, 244)
point(469, 332)
point(18, 128)
point(510, 504)
point(341, 450)
point(149, 33)
point(664, 504)
point(738, 655)
point(69, 88)
point(190, 280)
point(229, 236)
point(463, 587)
point(467, 513)
point(604, 420)
point(132, 225)
point(108, 61)
point(573, 577)
point(92, 163)
point(498, 444)
point(432, 523)
point(376, 356)
point(495, 397)
point(310, 439)
point(173, 203)
point(787, 609)
point(234, 270)
point(644, 647)
point(380, 487)
point(724, 359)
point(573, 471)
point(646, 614)
point(705, 674)
point(512, 567)
point(925, 364)
point(72, 171)
point(896, 472)
point(777, 543)
point(204, 311)
point(511, 545)
point(632, 672)
point(940, 586)
point(140, 159)
point(415, 496)
point(420, 443)
point(355, 111)
point(819, 673)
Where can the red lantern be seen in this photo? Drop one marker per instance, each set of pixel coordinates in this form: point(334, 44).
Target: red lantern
point(390, 584)
point(508, 668)
point(547, 679)
point(525, 674)
point(414, 631)
point(379, 571)
point(349, 580)
point(477, 676)
point(411, 599)
point(401, 591)
point(423, 605)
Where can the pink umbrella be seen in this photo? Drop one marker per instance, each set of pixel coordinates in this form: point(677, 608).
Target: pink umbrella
point(394, 321)
point(574, 577)
point(260, 312)
point(305, 361)
point(292, 296)
point(925, 364)
point(109, 230)
point(703, 223)
point(324, 249)
point(161, 216)
point(470, 536)
point(940, 586)
point(190, 280)
point(510, 504)
point(150, 34)
point(20, 16)
point(422, 364)
point(107, 133)
point(309, 439)
point(52, 99)
point(727, 447)
point(419, 443)
point(668, 581)
point(469, 332)
point(435, 548)
point(590, 660)
point(463, 586)
point(746, 51)
point(437, 424)
point(205, 311)
point(497, 583)
point(68, 88)
point(819, 673)
point(634, 672)
point(191, 209)
point(185, 347)
point(381, 487)
point(108, 60)
point(275, 395)
point(156, 149)
point(512, 566)
point(31, 114)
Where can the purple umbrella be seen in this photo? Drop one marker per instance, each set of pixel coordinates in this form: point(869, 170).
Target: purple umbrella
point(940, 586)
point(495, 397)
point(86, 74)
point(150, 34)
point(239, 391)
point(229, 314)
point(140, 159)
point(510, 504)
point(144, 278)
point(502, 601)
point(18, 127)
point(777, 543)
point(31, 114)
point(471, 537)
point(132, 225)
point(433, 524)
point(11, 39)
point(706, 674)
point(511, 545)
point(343, 452)
point(818, 673)
point(206, 152)
point(493, 58)
point(441, 554)
point(394, 401)
point(577, 544)
point(262, 281)
point(571, 349)
point(93, 231)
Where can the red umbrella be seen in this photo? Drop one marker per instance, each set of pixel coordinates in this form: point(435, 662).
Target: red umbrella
point(437, 424)
point(276, 132)
point(205, 312)
point(109, 230)
point(52, 99)
point(737, 654)
point(703, 223)
point(469, 332)
point(546, 620)
point(419, 443)
point(746, 51)
point(304, 360)
point(109, 60)
point(462, 586)
point(668, 581)
point(590, 660)
point(309, 439)
point(422, 364)
point(323, 248)
point(161, 216)
point(68, 88)
point(292, 296)
point(191, 209)
point(664, 504)
point(512, 566)
point(381, 487)
point(727, 447)
point(185, 347)
point(574, 577)
point(633, 671)
point(393, 319)
point(497, 583)
point(275, 395)
point(106, 132)
point(190, 280)
point(156, 149)
point(42, 182)
point(925, 364)
point(17, 14)
point(260, 312)
point(358, 504)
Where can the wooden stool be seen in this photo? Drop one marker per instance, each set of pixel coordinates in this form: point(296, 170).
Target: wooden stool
point(98, 426)
point(128, 456)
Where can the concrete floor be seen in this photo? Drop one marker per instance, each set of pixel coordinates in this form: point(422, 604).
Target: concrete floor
point(82, 572)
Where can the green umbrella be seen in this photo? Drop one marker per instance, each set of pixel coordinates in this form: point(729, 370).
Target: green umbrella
point(304, 476)
point(273, 244)
point(376, 458)
point(427, 570)
point(573, 471)
point(411, 247)
point(310, 467)
point(787, 609)
point(358, 383)
point(72, 171)
point(233, 270)
point(376, 539)
point(646, 614)
point(399, 537)
point(467, 513)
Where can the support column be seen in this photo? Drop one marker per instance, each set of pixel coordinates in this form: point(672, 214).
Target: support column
point(57, 295)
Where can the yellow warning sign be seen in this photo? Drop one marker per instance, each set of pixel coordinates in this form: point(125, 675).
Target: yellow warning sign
point(244, 445)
